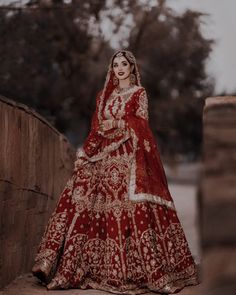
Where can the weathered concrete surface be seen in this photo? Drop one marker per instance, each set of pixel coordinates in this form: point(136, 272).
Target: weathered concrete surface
point(219, 177)
point(27, 285)
point(218, 191)
point(35, 163)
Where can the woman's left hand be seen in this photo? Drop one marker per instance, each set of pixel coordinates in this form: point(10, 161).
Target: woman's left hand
point(106, 125)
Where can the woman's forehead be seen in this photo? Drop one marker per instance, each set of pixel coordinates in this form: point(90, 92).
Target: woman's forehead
point(119, 59)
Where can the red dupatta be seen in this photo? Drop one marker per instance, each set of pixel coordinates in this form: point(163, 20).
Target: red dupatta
point(148, 179)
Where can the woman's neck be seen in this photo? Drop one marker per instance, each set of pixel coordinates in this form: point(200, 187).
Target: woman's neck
point(124, 83)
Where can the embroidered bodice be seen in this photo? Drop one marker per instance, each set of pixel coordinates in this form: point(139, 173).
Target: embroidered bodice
point(115, 107)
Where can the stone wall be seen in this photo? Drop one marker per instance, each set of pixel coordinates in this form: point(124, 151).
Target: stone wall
point(219, 196)
point(35, 163)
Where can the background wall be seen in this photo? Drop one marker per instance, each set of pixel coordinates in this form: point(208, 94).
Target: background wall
point(35, 163)
point(219, 196)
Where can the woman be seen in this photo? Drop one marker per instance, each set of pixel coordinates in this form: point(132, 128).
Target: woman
point(115, 226)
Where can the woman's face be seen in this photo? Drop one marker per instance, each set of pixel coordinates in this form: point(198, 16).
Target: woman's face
point(121, 67)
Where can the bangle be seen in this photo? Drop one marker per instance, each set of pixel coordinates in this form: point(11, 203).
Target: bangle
point(120, 123)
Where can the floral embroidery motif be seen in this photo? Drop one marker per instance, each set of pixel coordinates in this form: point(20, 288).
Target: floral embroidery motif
point(115, 106)
point(147, 145)
point(108, 231)
point(142, 110)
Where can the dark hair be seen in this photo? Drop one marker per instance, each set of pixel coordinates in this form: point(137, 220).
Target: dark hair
point(125, 54)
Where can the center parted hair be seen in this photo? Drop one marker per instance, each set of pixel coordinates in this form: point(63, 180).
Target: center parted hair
point(127, 54)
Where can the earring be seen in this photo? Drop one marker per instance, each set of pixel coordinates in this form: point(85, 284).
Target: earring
point(115, 81)
point(132, 79)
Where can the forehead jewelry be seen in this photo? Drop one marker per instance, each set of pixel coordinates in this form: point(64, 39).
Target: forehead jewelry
point(120, 54)
point(130, 57)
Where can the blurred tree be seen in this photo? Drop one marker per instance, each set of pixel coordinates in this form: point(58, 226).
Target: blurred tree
point(173, 53)
point(52, 62)
point(54, 56)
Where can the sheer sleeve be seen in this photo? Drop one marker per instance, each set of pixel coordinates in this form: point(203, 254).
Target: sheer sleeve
point(99, 144)
point(94, 122)
point(93, 139)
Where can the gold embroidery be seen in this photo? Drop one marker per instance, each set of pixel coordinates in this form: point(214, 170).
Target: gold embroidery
point(140, 197)
point(147, 145)
point(111, 238)
point(115, 105)
point(142, 110)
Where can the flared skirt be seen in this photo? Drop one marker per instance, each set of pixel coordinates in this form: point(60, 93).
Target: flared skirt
point(98, 238)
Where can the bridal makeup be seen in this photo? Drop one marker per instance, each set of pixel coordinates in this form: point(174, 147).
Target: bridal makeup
point(121, 67)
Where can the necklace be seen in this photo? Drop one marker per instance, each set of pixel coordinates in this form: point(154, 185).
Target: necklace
point(124, 89)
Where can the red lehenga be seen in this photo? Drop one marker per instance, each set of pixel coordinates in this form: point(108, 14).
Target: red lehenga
point(115, 226)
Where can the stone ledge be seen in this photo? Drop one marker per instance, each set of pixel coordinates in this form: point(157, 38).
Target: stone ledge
point(219, 100)
point(36, 161)
point(30, 111)
point(219, 224)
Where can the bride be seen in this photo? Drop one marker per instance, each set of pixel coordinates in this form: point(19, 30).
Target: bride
point(115, 226)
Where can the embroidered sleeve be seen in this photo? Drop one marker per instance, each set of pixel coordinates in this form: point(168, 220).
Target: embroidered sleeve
point(142, 109)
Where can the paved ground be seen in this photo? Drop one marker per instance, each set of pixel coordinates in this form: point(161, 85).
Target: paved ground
point(186, 204)
point(185, 198)
point(28, 285)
